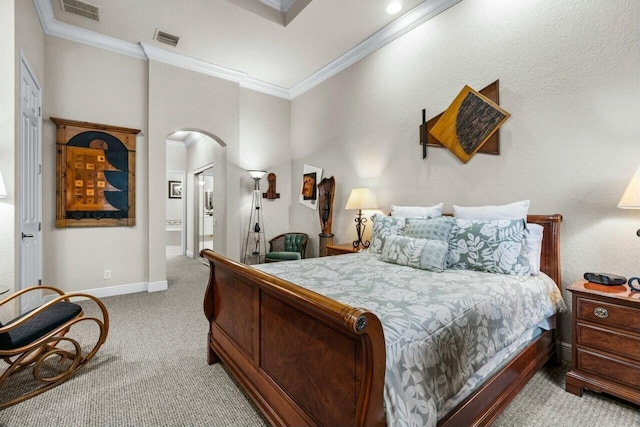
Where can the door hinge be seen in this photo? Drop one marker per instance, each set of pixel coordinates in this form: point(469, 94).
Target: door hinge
point(39, 226)
point(39, 169)
point(39, 111)
point(39, 282)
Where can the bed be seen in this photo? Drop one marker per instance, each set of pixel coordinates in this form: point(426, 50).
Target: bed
point(307, 359)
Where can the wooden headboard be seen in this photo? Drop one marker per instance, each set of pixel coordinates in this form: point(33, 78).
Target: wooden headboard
point(550, 259)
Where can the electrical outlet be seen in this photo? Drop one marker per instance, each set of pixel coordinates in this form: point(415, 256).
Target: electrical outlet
point(107, 274)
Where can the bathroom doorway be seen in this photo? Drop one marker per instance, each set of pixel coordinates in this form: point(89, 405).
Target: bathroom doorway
point(205, 221)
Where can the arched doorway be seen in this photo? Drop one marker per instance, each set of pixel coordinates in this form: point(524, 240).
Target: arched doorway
point(196, 163)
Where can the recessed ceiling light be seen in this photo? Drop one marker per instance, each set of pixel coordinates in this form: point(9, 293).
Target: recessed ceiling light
point(394, 7)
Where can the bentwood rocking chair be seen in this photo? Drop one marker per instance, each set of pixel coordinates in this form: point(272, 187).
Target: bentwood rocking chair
point(35, 338)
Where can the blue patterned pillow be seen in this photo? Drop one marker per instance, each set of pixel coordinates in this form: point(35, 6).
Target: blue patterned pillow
point(492, 246)
point(434, 229)
point(425, 254)
point(383, 227)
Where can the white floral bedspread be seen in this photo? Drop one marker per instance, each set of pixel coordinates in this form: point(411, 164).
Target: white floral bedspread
point(439, 328)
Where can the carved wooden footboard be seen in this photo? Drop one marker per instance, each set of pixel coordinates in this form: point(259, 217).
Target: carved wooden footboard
point(303, 358)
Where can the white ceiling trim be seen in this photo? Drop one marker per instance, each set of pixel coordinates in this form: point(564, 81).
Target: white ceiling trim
point(280, 5)
point(410, 20)
point(53, 27)
point(407, 22)
point(172, 58)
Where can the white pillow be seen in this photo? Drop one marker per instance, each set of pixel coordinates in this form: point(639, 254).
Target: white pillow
point(417, 211)
point(533, 243)
point(517, 210)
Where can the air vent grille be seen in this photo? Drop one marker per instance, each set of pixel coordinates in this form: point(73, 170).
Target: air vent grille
point(167, 38)
point(81, 8)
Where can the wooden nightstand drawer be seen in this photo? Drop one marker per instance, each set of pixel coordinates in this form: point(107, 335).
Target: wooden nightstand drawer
point(612, 369)
point(609, 314)
point(609, 341)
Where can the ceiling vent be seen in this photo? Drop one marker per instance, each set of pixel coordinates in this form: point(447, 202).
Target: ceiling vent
point(81, 8)
point(166, 38)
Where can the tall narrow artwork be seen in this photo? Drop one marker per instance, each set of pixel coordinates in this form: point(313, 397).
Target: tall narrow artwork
point(95, 174)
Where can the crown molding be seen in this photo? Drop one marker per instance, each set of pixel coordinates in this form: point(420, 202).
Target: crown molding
point(53, 27)
point(172, 58)
point(407, 22)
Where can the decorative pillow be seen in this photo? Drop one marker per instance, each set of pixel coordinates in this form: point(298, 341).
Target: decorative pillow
point(383, 227)
point(517, 210)
point(424, 254)
point(491, 246)
point(533, 243)
point(434, 229)
point(417, 211)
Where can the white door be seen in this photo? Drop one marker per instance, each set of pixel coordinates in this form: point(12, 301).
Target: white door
point(30, 188)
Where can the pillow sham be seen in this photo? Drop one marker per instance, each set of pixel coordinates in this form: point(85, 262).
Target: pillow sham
point(434, 229)
point(490, 246)
point(384, 226)
point(533, 243)
point(425, 254)
point(417, 211)
point(516, 210)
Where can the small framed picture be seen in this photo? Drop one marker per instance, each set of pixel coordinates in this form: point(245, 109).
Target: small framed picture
point(175, 190)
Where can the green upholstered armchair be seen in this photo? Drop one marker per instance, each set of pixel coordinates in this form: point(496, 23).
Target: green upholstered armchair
point(287, 247)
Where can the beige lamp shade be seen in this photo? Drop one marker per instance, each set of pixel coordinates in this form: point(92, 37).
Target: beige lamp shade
point(631, 197)
point(361, 198)
point(3, 189)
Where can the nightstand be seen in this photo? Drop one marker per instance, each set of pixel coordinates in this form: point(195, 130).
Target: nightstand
point(605, 328)
point(341, 249)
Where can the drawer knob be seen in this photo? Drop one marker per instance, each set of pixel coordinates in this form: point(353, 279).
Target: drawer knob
point(601, 312)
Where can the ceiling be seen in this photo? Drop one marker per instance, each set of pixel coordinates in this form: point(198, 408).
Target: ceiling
point(242, 36)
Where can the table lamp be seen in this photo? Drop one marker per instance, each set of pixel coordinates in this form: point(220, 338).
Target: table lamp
point(631, 197)
point(361, 198)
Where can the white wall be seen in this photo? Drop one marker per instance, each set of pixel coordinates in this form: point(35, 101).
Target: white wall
point(568, 74)
point(265, 138)
point(94, 85)
point(7, 142)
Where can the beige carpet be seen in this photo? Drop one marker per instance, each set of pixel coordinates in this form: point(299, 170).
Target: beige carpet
point(152, 371)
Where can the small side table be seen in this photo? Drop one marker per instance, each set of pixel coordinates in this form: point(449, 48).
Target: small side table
point(605, 340)
point(341, 249)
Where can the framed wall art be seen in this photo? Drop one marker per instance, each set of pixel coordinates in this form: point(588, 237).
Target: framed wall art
point(175, 190)
point(95, 174)
point(311, 177)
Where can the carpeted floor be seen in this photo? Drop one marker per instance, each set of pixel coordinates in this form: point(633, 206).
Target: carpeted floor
point(152, 371)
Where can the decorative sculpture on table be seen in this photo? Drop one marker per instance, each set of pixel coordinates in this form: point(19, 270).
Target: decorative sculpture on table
point(326, 191)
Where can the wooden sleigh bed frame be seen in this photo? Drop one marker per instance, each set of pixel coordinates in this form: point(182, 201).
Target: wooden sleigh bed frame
point(305, 359)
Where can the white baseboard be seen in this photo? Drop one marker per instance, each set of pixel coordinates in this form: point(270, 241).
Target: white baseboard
point(130, 288)
point(111, 291)
point(162, 285)
point(189, 253)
